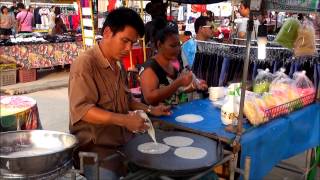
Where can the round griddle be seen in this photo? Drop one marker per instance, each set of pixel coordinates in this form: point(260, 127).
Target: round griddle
point(169, 163)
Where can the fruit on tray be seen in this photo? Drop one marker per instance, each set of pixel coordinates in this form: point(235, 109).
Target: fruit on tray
point(270, 101)
point(260, 103)
point(254, 114)
point(305, 91)
point(292, 94)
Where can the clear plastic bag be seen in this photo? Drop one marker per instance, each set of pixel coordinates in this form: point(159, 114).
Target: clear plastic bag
point(283, 86)
point(288, 33)
point(305, 44)
point(262, 81)
point(303, 84)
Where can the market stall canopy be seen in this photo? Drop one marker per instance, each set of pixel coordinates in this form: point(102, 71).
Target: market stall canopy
point(294, 5)
point(198, 1)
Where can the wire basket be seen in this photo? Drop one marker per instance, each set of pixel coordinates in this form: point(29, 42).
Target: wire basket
point(289, 107)
point(8, 77)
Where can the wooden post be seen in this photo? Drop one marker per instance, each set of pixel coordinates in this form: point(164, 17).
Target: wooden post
point(143, 39)
point(247, 164)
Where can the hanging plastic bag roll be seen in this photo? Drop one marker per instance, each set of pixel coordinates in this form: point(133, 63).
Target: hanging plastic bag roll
point(288, 33)
point(305, 44)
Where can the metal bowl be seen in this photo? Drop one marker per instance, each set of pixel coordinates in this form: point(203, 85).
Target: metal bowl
point(35, 151)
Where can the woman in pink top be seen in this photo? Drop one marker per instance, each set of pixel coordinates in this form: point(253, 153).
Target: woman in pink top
point(24, 18)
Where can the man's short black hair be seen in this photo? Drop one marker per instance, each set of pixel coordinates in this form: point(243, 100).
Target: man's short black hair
point(200, 21)
point(119, 18)
point(20, 5)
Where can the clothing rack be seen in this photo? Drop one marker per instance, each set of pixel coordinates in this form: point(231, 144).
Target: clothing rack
point(49, 5)
point(238, 52)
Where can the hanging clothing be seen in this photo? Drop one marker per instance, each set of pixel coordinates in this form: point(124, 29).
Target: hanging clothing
point(103, 5)
point(52, 18)
point(111, 5)
point(181, 13)
point(37, 17)
point(75, 22)
point(188, 52)
point(44, 13)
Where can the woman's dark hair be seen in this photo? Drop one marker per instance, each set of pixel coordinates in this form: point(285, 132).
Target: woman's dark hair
point(164, 33)
point(3, 7)
point(119, 18)
point(21, 6)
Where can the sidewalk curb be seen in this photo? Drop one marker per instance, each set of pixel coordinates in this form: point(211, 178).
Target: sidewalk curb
point(30, 88)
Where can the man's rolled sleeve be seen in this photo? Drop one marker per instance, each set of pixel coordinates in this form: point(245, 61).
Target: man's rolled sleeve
point(83, 95)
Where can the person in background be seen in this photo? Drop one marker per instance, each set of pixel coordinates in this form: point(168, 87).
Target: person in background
point(13, 9)
point(244, 11)
point(99, 99)
point(31, 10)
point(57, 11)
point(7, 22)
point(24, 19)
point(59, 28)
point(210, 15)
point(300, 17)
point(160, 81)
point(157, 9)
point(186, 36)
point(204, 32)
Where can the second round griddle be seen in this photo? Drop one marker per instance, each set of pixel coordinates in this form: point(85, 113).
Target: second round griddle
point(169, 163)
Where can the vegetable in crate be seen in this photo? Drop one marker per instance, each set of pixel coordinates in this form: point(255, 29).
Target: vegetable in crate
point(262, 81)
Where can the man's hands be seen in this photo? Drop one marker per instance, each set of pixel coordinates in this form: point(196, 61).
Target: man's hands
point(135, 123)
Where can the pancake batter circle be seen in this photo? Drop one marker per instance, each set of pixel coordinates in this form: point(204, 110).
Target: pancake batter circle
point(153, 148)
point(178, 141)
point(189, 118)
point(190, 153)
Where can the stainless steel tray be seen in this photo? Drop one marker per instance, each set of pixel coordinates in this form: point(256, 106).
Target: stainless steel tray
point(35, 151)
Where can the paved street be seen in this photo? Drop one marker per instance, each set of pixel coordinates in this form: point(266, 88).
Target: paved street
point(53, 110)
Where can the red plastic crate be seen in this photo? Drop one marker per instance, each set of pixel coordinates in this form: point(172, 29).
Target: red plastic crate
point(27, 75)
